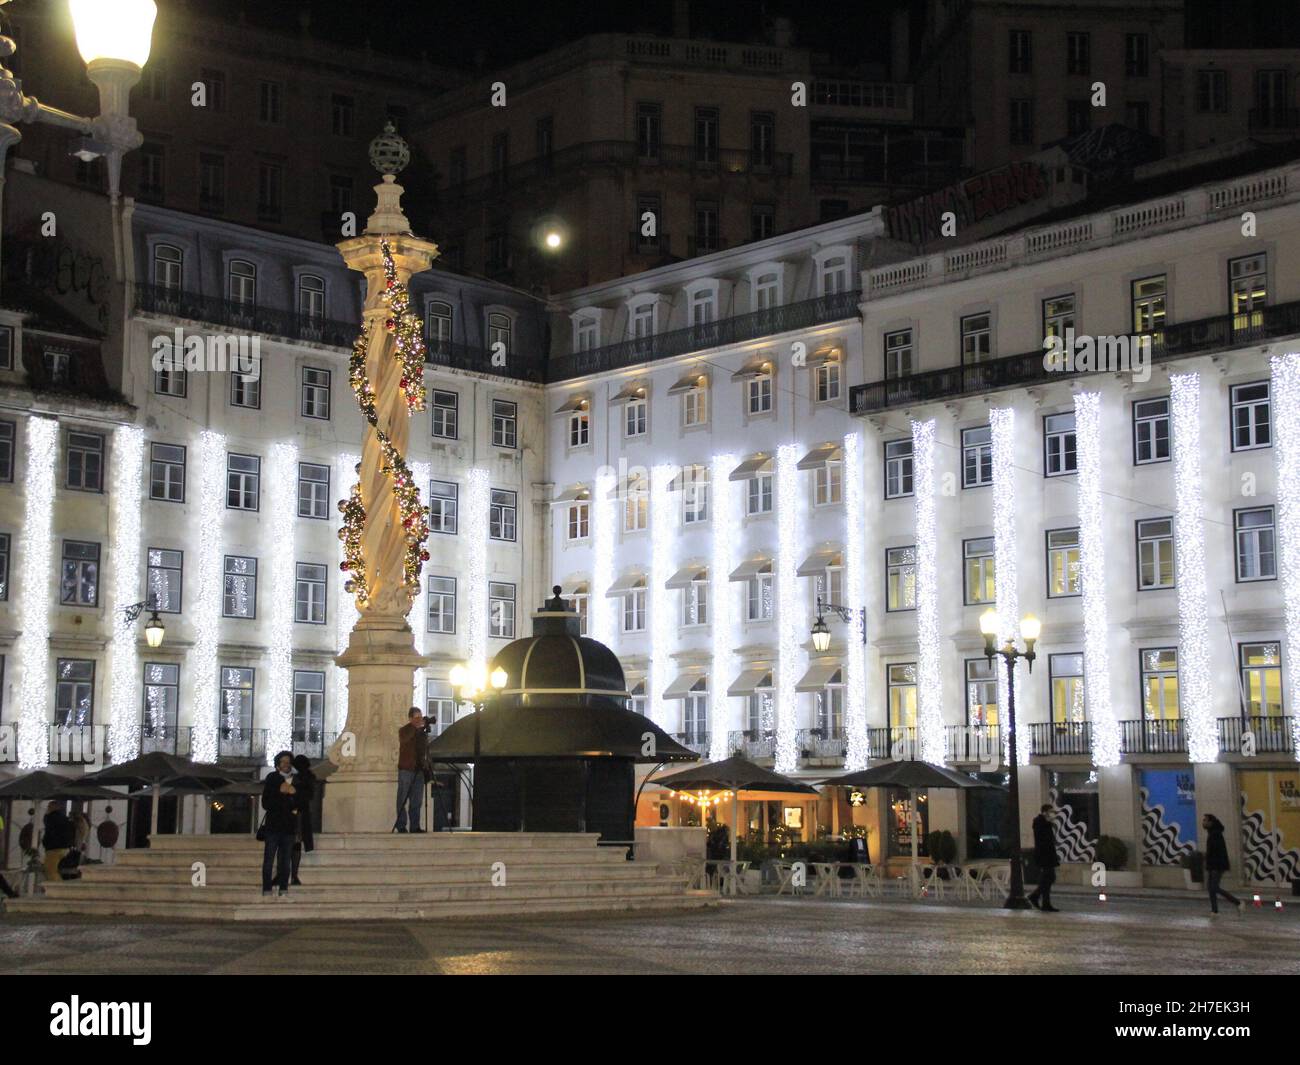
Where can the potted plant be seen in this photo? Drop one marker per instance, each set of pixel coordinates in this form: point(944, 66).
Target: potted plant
point(941, 847)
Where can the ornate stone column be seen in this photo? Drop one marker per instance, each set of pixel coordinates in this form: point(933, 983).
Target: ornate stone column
point(380, 657)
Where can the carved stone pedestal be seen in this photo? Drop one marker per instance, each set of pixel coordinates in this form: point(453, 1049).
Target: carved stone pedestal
point(381, 661)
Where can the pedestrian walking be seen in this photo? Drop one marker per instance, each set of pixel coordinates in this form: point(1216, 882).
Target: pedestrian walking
point(279, 824)
point(305, 781)
point(1046, 860)
point(57, 839)
point(1216, 864)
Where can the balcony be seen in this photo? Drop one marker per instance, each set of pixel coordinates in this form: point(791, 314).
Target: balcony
point(1274, 119)
point(820, 744)
point(973, 744)
point(1272, 735)
point(449, 354)
point(655, 247)
point(1060, 738)
point(695, 741)
point(774, 320)
point(621, 155)
point(1152, 737)
point(1204, 336)
point(753, 744)
point(167, 739)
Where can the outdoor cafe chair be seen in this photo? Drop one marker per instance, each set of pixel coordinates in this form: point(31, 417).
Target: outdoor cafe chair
point(785, 870)
point(999, 877)
point(865, 882)
point(828, 878)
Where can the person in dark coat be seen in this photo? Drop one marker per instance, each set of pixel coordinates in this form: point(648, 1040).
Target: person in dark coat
point(58, 838)
point(1046, 860)
point(280, 801)
point(1216, 863)
point(305, 781)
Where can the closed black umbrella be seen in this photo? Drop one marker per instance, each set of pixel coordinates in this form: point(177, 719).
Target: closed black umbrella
point(158, 768)
point(735, 775)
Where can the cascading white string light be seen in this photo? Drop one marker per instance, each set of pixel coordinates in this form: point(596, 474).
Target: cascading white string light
point(128, 490)
point(600, 608)
point(346, 614)
point(33, 643)
point(929, 689)
point(280, 489)
point(1002, 428)
point(663, 527)
point(417, 616)
point(722, 613)
point(1194, 696)
point(857, 745)
point(1285, 397)
point(205, 613)
point(1104, 727)
point(789, 616)
point(478, 506)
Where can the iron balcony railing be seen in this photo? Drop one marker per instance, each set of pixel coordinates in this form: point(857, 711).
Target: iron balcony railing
point(1152, 737)
point(1048, 738)
point(1272, 735)
point(742, 327)
point(752, 744)
point(621, 154)
point(660, 244)
point(981, 744)
point(695, 741)
point(1200, 337)
point(819, 743)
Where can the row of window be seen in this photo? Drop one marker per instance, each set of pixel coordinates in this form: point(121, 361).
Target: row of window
point(1078, 53)
point(74, 698)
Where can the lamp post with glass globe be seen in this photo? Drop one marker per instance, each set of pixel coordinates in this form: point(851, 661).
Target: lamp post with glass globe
point(471, 682)
point(1030, 627)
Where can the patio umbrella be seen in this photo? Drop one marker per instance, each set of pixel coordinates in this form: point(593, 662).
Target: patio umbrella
point(735, 775)
point(42, 785)
point(912, 775)
point(156, 769)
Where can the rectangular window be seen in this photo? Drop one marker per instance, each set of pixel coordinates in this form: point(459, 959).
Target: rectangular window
point(443, 504)
point(1063, 557)
point(212, 181)
point(243, 481)
point(1155, 553)
point(902, 695)
point(1058, 316)
point(828, 484)
point(759, 496)
point(1151, 431)
point(759, 604)
point(438, 325)
point(167, 473)
point(634, 609)
point(444, 414)
point(268, 108)
point(1159, 684)
point(762, 139)
point(1212, 92)
point(1021, 121)
point(505, 423)
point(981, 584)
point(1251, 416)
point(1078, 53)
point(1137, 55)
point(441, 605)
point(828, 381)
point(501, 610)
point(649, 122)
point(439, 705)
point(900, 578)
point(977, 457)
point(169, 379)
point(309, 593)
point(163, 580)
point(695, 602)
point(308, 706)
point(315, 393)
point(706, 135)
point(342, 111)
point(1256, 544)
point(7, 434)
point(313, 490)
point(695, 406)
point(1261, 678)
point(1065, 674)
point(579, 523)
point(636, 505)
point(981, 693)
point(695, 495)
point(1149, 306)
point(1059, 442)
point(762, 221)
point(162, 687)
point(1078, 117)
point(4, 566)
point(270, 191)
point(898, 469)
point(898, 354)
point(6, 347)
point(579, 428)
point(708, 235)
point(759, 394)
point(246, 388)
point(976, 338)
point(74, 696)
point(1248, 290)
point(79, 581)
point(635, 412)
point(239, 594)
point(85, 471)
point(237, 690)
point(502, 514)
point(1020, 51)
point(152, 170)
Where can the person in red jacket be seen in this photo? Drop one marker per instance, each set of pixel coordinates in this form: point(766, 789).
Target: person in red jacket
point(412, 755)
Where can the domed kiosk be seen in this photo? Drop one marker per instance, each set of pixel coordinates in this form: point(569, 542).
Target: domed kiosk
point(556, 748)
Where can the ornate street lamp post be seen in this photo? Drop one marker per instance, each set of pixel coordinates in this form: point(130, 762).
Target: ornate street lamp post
point(821, 632)
point(1030, 627)
point(471, 684)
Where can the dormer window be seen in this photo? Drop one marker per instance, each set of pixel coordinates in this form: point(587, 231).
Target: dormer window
point(499, 330)
point(241, 283)
point(437, 325)
point(704, 306)
point(767, 291)
point(643, 320)
point(167, 266)
point(586, 333)
point(311, 297)
point(834, 276)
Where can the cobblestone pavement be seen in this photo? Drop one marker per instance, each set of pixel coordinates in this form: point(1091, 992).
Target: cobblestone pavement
point(763, 935)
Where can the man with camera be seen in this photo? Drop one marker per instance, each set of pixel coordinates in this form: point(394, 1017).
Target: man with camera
point(412, 761)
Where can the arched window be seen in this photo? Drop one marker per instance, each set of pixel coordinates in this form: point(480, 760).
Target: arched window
point(168, 263)
point(311, 296)
point(499, 327)
point(437, 325)
point(241, 282)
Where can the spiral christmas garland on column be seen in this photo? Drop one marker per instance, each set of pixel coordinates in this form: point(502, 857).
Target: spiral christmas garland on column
point(410, 353)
